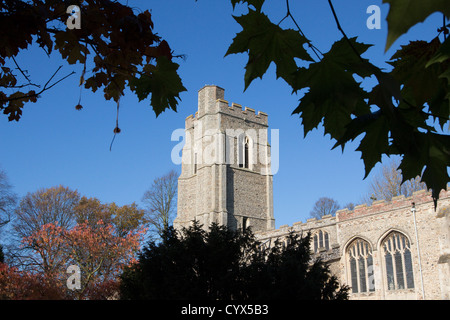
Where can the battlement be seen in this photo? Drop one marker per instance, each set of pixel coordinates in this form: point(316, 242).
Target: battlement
point(246, 113)
point(298, 227)
point(211, 101)
point(420, 198)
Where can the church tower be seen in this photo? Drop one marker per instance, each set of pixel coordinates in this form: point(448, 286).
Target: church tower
point(225, 175)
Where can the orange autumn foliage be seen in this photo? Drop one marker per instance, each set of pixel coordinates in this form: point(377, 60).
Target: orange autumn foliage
point(98, 250)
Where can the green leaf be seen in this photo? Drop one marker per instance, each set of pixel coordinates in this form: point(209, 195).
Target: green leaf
point(412, 165)
point(429, 158)
point(342, 59)
point(163, 83)
point(403, 14)
point(334, 94)
point(424, 79)
point(265, 43)
point(411, 71)
point(375, 142)
point(441, 55)
point(435, 174)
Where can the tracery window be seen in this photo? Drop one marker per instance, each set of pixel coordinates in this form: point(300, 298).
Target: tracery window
point(359, 254)
point(195, 163)
point(244, 152)
point(321, 239)
point(246, 147)
point(398, 262)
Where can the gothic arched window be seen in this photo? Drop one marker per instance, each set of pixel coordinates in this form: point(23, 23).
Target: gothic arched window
point(246, 148)
point(360, 261)
point(244, 145)
point(398, 262)
point(195, 163)
point(321, 239)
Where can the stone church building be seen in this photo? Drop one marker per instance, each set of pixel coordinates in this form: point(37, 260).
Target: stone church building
point(398, 249)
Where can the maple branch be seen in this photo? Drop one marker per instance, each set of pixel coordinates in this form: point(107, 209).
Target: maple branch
point(45, 88)
point(21, 71)
point(22, 86)
point(289, 15)
point(343, 32)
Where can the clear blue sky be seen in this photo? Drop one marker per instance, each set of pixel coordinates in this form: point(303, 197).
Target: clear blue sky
point(55, 144)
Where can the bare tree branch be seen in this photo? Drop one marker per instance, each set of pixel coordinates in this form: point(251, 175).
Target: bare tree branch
point(7, 199)
point(387, 183)
point(45, 88)
point(160, 202)
point(324, 206)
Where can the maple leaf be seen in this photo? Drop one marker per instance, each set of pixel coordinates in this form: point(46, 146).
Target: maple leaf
point(334, 95)
point(113, 37)
point(393, 117)
point(265, 43)
point(162, 82)
point(403, 14)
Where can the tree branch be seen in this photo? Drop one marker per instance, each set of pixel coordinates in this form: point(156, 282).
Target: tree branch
point(289, 15)
point(343, 32)
point(45, 88)
point(21, 71)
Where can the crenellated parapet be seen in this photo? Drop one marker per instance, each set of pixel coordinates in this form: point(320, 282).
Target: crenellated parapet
point(327, 224)
point(419, 198)
point(211, 101)
point(378, 206)
point(246, 113)
point(379, 210)
point(299, 227)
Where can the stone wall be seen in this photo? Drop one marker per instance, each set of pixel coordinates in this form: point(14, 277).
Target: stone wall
point(214, 189)
point(213, 185)
point(374, 224)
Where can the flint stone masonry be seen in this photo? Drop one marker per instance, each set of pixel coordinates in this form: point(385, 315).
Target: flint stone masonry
point(212, 186)
point(373, 224)
point(219, 191)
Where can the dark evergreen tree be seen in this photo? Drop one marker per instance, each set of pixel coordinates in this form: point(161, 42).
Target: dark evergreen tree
point(226, 264)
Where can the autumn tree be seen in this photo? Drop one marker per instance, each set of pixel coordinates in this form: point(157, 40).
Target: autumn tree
point(36, 210)
point(160, 202)
point(119, 46)
point(18, 284)
point(403, 114)
point(324, 206)
point(98, 251)
point(100, 240)
point(46, 205)
point(55, 226)
point(101, 253)
point(124, 218)
point(47, 254)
